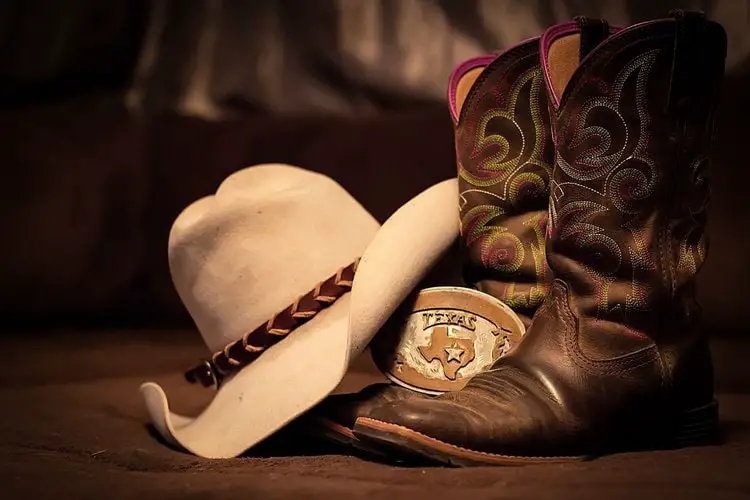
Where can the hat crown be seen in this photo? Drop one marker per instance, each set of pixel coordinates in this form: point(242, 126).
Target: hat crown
point(269, 235)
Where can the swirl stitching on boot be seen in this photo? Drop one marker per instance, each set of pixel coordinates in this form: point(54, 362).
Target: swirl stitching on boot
point(502, 248)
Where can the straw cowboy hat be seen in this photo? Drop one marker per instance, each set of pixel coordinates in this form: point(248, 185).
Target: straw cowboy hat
point(288, 278)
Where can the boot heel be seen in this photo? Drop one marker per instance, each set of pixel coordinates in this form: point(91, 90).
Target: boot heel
point(698, 427)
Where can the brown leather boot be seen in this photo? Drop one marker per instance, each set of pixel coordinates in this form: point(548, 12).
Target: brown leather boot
point(614, 359)
point(504, 192)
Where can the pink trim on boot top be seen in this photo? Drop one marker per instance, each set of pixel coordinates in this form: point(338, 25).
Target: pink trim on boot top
point(458, 73)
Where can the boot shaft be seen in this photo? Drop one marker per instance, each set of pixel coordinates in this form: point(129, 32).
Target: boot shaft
point(504, 156)
point(632, 124)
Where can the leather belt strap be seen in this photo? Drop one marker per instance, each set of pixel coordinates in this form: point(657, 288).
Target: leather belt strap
point(244, 351)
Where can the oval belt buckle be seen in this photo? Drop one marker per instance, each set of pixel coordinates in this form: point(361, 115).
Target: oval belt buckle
point(448, 335)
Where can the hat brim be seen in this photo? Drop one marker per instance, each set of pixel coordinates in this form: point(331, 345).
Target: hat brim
point(408, 245)
point(300, 371)
point(287, 380)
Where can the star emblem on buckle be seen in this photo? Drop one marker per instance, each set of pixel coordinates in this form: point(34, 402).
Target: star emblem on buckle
point(454, 352)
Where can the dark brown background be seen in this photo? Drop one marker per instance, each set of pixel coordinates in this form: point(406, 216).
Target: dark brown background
point(115, 115)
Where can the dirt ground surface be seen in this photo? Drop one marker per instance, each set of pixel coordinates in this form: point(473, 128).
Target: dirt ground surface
point(74, 426)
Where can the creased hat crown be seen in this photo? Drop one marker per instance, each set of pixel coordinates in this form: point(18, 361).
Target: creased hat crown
point(270, 234)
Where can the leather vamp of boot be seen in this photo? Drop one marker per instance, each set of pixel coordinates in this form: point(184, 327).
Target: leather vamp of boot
point(343, 409)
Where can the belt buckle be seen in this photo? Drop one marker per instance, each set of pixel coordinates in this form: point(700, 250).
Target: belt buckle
point(445, 336)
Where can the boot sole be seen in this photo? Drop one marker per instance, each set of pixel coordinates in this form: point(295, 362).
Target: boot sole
point(331, 431)
point(696, 427)
point(343, 436)
point(409, 442)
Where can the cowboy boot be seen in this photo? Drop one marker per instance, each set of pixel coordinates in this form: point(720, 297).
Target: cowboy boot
point(503, 197)
point(614, 358)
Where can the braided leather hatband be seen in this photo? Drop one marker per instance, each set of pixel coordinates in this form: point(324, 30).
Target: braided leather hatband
point(244, 351)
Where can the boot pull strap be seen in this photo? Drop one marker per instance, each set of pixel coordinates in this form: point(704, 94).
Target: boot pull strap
point(593, 32)
point(689, 58)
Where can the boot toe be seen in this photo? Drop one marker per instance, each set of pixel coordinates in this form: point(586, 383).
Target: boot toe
point(343, 409)
point(440, 420)
point(511, 420)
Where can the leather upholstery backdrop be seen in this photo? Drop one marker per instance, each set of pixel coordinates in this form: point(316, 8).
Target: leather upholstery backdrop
point(118, 114)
